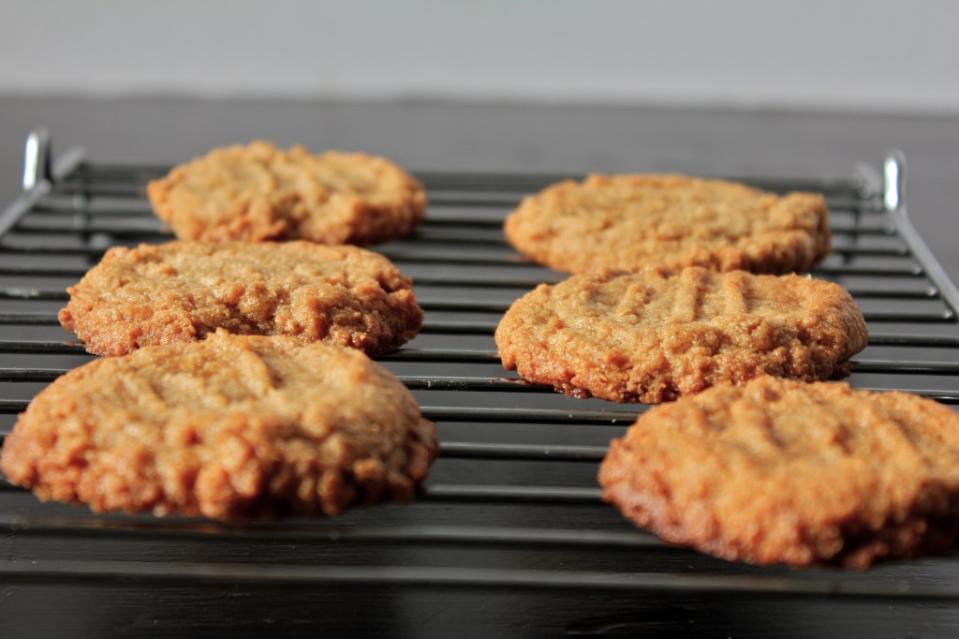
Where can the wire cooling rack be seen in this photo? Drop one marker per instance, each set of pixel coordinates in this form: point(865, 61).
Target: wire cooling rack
point(510, 522)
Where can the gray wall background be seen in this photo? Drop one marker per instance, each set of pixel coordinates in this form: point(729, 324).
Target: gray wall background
point(857, 54)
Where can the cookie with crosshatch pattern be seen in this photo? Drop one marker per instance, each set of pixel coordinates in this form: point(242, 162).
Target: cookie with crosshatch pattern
point(628, 222)
point(259, 192)
point(183, 291)
point(653, 335)
point(230, 427)
point(780, 471)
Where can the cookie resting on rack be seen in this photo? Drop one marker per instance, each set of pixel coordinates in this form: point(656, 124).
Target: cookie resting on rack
point(259, 192)
point(653, 335)
point(779, 471)
point(628, 222)
point(230, 427)
point(182, 291)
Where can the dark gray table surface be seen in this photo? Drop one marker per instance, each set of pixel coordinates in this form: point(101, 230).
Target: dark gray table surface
point(494, 137)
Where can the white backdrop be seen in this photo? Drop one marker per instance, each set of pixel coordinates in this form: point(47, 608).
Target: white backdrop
point(882, 55)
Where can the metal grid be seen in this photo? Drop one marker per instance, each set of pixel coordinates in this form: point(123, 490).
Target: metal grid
point(512, 502)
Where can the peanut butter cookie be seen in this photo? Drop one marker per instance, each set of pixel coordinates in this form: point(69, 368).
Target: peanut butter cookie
point(181, 291)
point(779, 471)
point(230, 427)
point(652, 335)
point(628, 222)
point(259, 192)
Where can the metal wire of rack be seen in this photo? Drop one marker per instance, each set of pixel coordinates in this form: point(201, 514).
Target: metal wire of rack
point(512, 503)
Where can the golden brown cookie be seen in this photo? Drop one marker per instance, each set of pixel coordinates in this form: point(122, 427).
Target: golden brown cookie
point(181, 291)
point(779, 471)
point(259, 192)
point(651, 336)
point(627, 222)
point(231, 427)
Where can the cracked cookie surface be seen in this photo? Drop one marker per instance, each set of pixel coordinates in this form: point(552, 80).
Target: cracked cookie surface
point(182, 291)
point(779, 471)
point(651, 336)
point(259, 192)
point(628, 222)
point(230, 427)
